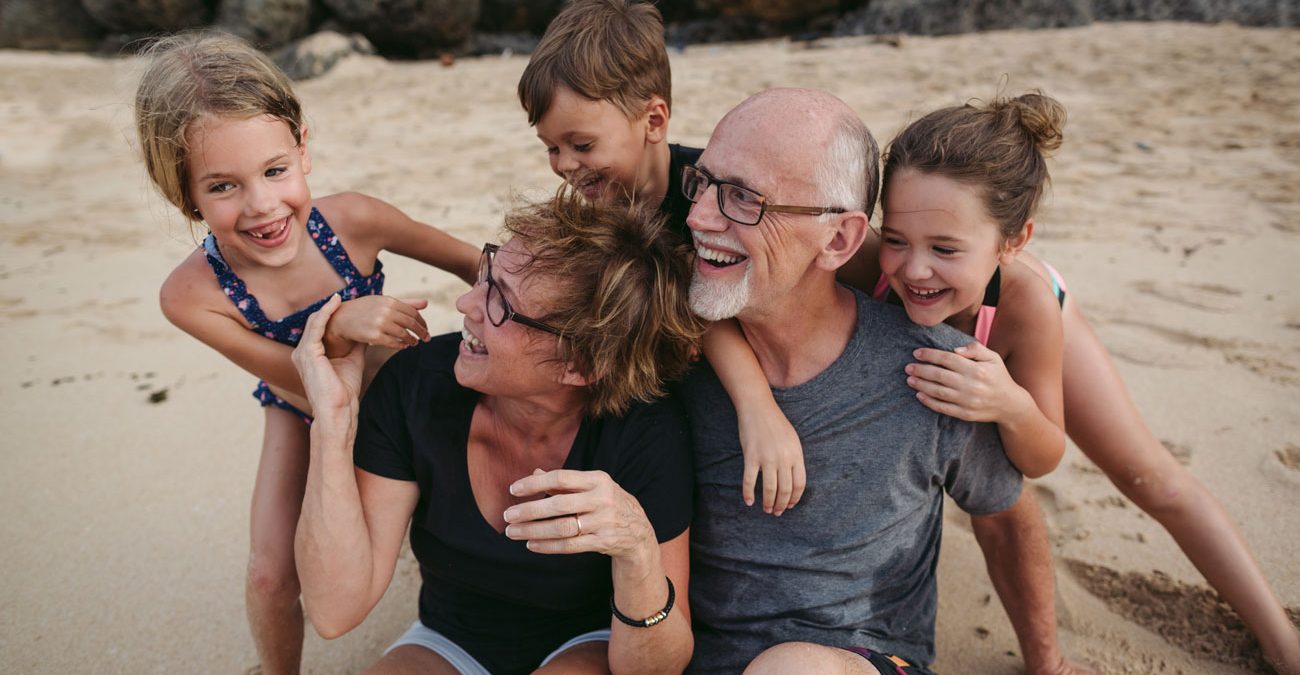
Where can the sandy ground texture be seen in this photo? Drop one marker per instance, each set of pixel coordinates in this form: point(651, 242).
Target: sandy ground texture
point(129, 448)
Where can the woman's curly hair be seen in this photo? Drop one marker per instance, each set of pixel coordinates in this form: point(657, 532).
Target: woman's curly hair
point(622, 302)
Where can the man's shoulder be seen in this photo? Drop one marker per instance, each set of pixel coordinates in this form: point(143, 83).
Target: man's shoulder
point(889, 323)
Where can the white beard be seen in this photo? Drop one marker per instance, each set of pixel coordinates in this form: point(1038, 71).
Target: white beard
point(715, 300)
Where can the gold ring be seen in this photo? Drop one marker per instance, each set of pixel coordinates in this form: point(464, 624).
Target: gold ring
point(578, 520)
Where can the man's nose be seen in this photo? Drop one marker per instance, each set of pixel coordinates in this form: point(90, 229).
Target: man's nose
point(704, 214)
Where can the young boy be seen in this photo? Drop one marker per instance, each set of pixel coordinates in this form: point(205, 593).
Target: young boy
point(599, 90)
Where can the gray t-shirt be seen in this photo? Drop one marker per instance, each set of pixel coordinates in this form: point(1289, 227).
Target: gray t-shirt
point(853, 564)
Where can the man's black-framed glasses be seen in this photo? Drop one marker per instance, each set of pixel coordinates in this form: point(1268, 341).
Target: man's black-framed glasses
point(740, 204)
point(499, 310)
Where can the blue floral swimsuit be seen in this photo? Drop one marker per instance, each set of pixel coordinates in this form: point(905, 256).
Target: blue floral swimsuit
point(289, 329)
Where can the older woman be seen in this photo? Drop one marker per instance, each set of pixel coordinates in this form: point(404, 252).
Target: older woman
point(548, 493)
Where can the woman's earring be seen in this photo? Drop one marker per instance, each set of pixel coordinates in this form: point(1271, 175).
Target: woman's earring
point(197, 214)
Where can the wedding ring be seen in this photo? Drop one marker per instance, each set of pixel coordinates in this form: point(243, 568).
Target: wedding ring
point(578, 520)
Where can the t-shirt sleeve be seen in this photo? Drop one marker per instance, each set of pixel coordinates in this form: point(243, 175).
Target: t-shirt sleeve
point(383, 443)
point(979, 478)
point(656, 467)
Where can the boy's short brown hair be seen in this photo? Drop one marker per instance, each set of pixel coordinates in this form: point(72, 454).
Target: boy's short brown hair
point(605, 50)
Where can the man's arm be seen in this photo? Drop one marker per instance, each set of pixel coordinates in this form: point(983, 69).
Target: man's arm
point(1019, 561)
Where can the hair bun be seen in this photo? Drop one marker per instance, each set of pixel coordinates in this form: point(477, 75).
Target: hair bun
point(1041, 115)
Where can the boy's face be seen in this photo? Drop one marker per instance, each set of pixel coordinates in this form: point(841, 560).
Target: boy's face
point(595, 144)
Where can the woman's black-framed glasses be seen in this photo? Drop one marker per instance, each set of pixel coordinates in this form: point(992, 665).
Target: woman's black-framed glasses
point(740, 204)
point(499, 310)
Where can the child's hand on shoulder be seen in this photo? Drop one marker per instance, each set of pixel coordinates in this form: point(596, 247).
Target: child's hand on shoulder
point(772, 448)
point(380, 320)
point(970, 383)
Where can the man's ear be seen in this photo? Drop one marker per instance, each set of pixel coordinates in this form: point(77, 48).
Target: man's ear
point(656, 120)
point(302, 151)
point(1013, 246)
point(849, 231)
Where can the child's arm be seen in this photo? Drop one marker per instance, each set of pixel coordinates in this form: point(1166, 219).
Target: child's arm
point(770, 443)
point(380, 226)
point(193, 301)
point(1023, 394)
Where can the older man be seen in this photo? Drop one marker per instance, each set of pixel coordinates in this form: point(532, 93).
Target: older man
point(846, 581)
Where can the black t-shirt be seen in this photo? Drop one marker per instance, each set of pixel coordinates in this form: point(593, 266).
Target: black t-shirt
point(505, 605)
point(675, 204)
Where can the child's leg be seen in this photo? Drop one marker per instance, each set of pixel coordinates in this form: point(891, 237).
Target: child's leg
point(271, 592)
point(1103, 421)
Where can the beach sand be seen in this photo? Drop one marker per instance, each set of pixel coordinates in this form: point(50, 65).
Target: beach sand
point(129, 448)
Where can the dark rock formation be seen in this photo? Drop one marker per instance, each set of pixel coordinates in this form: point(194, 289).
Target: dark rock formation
point(132, 16)
point(266, 23)
point(409, 28)
point(946, 17)
point(315, 54)
point(517, 16)
point(47, 24)
point(776, 11)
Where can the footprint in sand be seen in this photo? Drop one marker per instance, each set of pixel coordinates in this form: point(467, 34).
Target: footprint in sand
point(1290, 457)
point(1180, 613)
point(1209, 297)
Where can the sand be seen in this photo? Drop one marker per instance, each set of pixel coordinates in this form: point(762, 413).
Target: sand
point(129, 448)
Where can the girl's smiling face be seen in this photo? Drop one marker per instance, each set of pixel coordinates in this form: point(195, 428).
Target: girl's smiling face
point(248, 178)
point(939, 248)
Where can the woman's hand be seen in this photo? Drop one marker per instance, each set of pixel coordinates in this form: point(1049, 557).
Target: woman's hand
point(970, 383)
point(584, 511)
point(331, 384)
point(377, 320)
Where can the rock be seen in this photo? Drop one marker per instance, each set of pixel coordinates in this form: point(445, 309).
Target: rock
point(776, 11)
point(945, 17)
point(411, 28)
point(494, 44)
point(1281, 13)
point(317, 53)
point(517, 16)
point(47, 24)
point(1006, 14)
point(266, 23)
point(149, 15)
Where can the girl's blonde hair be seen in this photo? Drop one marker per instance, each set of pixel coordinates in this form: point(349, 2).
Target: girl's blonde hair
point(193, 75)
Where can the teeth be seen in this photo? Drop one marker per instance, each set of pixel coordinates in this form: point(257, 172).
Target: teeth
point(475, 345)
point(275, 232)
point(713, 255)
point(925, 293)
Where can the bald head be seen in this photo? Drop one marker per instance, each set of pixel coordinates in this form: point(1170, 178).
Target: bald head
point(816, 136)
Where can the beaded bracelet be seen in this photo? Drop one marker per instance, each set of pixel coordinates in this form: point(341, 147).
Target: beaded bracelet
point(653, 618)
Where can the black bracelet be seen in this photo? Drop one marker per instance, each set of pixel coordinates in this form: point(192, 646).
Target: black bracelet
point(653, 618)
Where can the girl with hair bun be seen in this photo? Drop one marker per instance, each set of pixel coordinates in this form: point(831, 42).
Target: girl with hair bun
point(959, 191)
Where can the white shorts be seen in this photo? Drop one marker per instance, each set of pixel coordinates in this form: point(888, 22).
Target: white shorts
point(439, 644)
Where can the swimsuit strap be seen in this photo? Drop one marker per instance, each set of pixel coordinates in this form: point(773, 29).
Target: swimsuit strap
point(289, 329)
point(881, 291)
point(989, 307)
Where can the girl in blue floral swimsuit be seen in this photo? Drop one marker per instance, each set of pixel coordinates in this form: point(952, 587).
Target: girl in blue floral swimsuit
point(224, 140)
